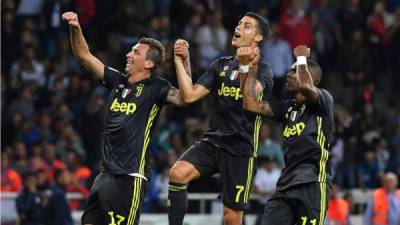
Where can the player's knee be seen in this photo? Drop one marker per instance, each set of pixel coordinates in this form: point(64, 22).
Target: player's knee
point(232, 217)
point(178, 175)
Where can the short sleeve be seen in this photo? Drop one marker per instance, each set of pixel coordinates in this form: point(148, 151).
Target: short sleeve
point(165, 86)
point(208, 78)
point(112, 77)
point(325, 101)
point(265, 77)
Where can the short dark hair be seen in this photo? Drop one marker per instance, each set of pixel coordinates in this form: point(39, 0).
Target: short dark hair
point(315, 70)
point(262, 24)
point(156, 52)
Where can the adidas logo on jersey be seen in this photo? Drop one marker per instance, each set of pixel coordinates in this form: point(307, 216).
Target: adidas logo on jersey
point(226, 91)
point(127, 108)
point(296, 129)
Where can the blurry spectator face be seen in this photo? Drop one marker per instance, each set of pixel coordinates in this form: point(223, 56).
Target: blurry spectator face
point(49, 152)
point(334, 191)
point(42, 177)
point(136, 59)
point(29, 53)
point(265, 131)
point(353, 2)
point(8, 17)
point(379, 8)
point(30, 182)
point(64, 178)
point(246, 33)
point(20, 150)
point(296, 8)
point(37, 150)
point(270, 165)
point(45, 121)
point(16, 120)
point(4, 161)
point(369, 156)
point(390, 182)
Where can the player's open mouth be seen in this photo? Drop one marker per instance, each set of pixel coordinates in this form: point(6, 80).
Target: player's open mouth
point(236, 35)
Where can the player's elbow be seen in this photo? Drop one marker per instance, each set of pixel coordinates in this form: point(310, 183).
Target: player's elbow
point(189, 99)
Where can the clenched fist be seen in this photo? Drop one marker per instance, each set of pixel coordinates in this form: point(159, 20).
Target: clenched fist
point(71, 18)
point(244, 55)
point(301, 50)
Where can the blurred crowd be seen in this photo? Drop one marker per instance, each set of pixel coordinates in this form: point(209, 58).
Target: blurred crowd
point(52, 108)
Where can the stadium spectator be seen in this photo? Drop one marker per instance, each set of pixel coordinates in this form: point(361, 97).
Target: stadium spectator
point(57, 209)
point(270, 148)
point(277, 51)
point(10, 179)
point(295, 26)
point(29, 201)
point(338, 209)
point(212, 39)
point(384, 207)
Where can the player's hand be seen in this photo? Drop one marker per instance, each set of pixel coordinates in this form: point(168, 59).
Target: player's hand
point(71, 18)
point(244, 55)
point(301, 50)
point(181, 49)
point(256, 56)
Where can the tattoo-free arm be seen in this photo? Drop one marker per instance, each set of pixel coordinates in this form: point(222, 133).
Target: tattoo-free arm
point(83, 54)
point(189, 92)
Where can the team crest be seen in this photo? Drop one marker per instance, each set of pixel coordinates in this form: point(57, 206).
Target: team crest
point(121, 86)
point(234, 75)
point(125, 92)
point(139, 90)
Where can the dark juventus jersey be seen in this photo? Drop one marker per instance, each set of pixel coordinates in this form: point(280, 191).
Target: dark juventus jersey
point(306, 140)
point(131, 114)
point(233, 129)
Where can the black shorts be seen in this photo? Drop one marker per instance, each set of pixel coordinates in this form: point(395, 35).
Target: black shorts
point(236, 172)
point(301, 204)
point(115, 199)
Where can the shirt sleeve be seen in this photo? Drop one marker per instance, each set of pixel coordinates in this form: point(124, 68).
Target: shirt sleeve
point(264, 76)
point(112, 77)
point(325, 101)
point(164, 89)
point(208, 78)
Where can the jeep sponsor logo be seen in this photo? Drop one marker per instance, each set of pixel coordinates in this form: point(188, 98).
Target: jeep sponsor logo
point(124, 107)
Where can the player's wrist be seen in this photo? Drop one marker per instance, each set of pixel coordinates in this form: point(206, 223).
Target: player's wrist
point(301, 60)
point(244, 68)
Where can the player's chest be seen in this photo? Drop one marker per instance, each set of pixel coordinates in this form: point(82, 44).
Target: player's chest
point(127, 99)
point(229, 82)
point(296, 118)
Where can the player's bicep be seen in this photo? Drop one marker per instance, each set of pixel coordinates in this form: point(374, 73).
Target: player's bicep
point(94, 65)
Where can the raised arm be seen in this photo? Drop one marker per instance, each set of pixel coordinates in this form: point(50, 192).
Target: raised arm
point(188, 92)
point(80, 47)
point(253, 90)
point(305, 80)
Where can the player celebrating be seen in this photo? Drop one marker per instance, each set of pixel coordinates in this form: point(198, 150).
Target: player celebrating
point(133, 108)
point(231, 144)
point(301, 194)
